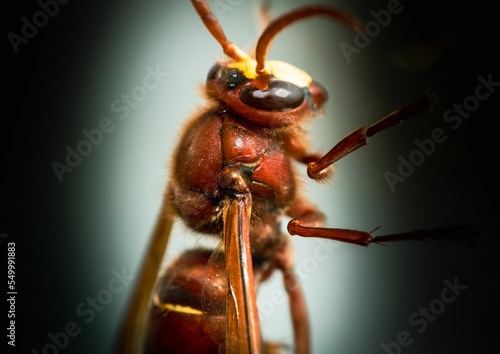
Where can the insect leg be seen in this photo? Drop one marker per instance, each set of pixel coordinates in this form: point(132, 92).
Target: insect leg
point(359, 137)
point(298, 308)
point(308, 221)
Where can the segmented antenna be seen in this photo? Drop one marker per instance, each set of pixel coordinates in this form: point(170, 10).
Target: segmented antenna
point(285, 20)
point(210, 21)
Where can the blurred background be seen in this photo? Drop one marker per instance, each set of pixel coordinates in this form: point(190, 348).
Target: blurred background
point(69, 74)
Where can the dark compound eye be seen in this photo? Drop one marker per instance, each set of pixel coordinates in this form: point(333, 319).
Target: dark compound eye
point(234, 78)
point(279, 96)
point(214, 72)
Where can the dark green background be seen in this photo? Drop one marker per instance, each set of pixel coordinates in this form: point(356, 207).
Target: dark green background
point(71, 235)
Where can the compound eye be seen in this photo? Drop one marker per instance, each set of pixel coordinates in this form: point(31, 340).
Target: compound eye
point(214, 72)
point(279, 96)
point(234, 78)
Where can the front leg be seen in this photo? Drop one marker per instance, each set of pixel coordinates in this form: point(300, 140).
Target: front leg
point(298, 148)
point(359, 137)
point(307, 220)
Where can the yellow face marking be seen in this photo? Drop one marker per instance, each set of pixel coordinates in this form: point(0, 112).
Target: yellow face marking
point(279, 69)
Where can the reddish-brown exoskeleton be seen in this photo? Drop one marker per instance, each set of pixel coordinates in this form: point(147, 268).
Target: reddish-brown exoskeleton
point(233, 177)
